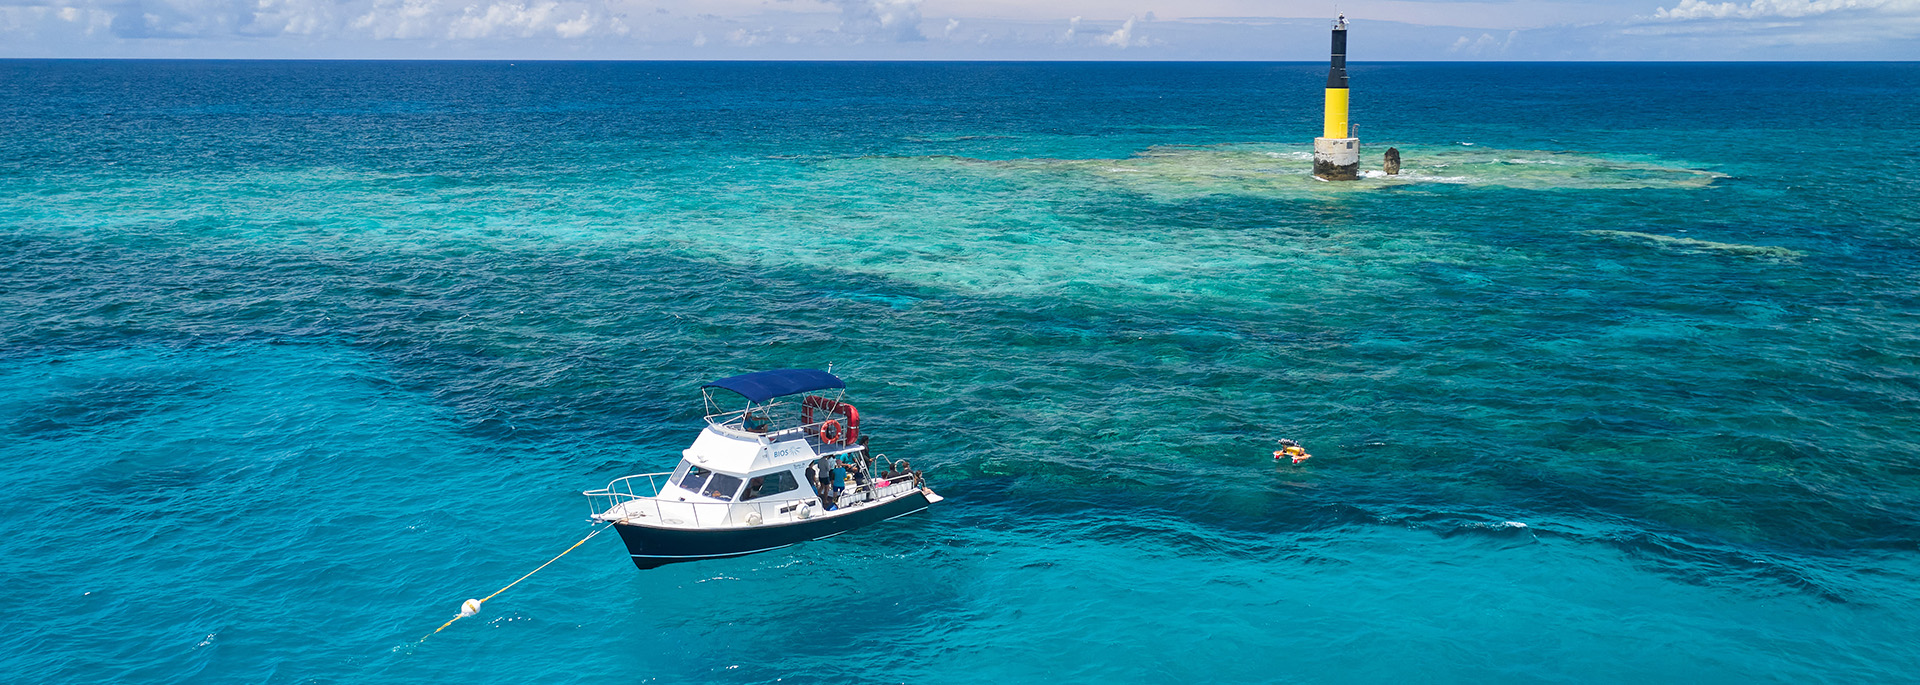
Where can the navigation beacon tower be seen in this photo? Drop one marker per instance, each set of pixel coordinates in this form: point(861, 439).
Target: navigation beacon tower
point(1336, 153)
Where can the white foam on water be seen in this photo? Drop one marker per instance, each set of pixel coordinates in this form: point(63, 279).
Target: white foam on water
point(1429, 178)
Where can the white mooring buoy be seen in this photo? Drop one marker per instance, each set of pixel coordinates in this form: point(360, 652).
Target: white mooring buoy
point(472, 606)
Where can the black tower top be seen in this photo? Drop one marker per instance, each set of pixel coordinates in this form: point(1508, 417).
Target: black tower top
point(1337, 74)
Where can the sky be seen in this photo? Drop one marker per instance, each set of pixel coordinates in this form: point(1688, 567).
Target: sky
point(1259, 30)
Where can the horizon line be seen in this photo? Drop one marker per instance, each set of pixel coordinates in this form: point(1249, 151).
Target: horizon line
point(511, 60)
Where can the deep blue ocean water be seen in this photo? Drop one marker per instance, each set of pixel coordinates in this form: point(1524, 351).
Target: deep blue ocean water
point(1619, 382)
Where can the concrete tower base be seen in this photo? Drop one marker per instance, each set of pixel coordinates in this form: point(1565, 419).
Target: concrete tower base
point(1336, 159)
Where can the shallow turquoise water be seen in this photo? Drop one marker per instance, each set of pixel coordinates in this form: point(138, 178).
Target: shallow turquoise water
point(299, 355)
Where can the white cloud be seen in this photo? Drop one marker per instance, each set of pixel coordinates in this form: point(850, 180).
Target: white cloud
point(748, 38)
point(1485, 46)
point(293, 17)
point(503, 19)
point(1759, 9)
point(577, 27)
point(883, 20)
point(1787, 29)
point(1121, 37)
point(90, 21)
point(313, 20)
point(400, 19)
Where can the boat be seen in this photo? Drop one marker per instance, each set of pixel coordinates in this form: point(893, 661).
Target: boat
point(789, 465)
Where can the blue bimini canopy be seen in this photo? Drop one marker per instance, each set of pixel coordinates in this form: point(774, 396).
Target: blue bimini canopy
point(761, 386)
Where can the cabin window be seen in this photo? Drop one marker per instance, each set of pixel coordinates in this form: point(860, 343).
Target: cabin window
point(695, 478)
point(769, 485)
point(722, 487)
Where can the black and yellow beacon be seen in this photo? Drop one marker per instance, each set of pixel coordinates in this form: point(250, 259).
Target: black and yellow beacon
point(1336, 153)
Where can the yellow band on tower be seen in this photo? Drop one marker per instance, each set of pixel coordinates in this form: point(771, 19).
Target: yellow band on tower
point(1336, 114)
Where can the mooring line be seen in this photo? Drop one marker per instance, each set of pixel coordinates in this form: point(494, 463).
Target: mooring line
point(472, 606)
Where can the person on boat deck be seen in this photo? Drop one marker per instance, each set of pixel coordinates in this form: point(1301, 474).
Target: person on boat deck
point(816, 475)
point(756, 422)
point(753, 488)
point(829, 496)
point(828, 476)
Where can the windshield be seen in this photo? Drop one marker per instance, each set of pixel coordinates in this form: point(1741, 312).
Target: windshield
point(695, 478)
point(721, 487)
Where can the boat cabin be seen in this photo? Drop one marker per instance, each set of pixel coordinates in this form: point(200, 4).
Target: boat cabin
point(778, 446)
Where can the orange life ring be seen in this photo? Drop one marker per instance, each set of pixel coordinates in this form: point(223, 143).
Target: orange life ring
point(838, 432)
